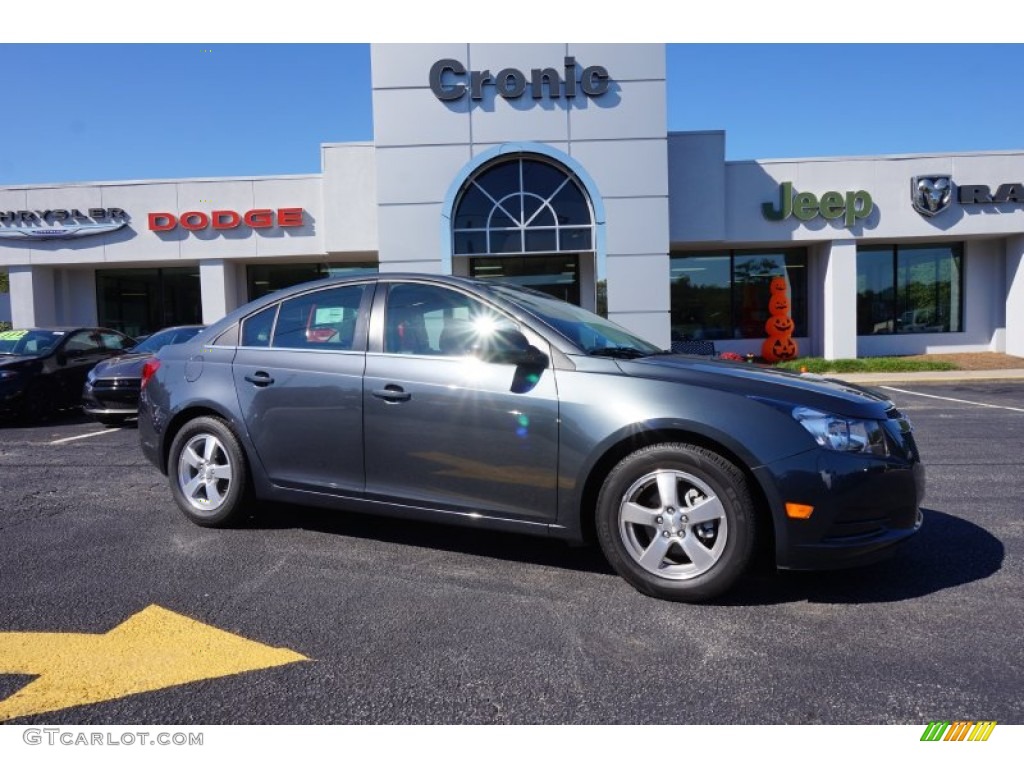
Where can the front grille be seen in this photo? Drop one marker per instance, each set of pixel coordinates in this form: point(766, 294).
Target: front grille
point(116, 384)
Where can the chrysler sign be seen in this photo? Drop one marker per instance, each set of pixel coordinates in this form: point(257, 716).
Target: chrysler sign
point(450, 81)
point(60, 223)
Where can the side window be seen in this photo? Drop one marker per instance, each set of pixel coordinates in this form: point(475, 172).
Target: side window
point(228, 338)
point(321, 320)
point(256, 328)
point(83, 343)
point(430, 320)
point(113, 341)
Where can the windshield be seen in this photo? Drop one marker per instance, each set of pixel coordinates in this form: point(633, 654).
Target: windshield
point(31, 342)
point(167, 336)
point(591, 333)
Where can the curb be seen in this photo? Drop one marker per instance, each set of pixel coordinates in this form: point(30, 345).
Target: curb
point(930, 377)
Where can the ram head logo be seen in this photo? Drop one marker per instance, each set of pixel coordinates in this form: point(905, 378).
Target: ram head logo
point(931, 194)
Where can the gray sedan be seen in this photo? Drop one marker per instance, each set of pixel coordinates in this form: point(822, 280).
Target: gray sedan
point(485, 404)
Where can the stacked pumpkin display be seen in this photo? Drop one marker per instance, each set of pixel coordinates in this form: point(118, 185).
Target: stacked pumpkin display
point(779, 345)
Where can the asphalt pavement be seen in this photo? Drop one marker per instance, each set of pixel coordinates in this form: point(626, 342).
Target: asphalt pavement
point(401, 622)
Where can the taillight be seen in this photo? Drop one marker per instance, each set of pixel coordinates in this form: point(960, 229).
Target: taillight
point(148, 369)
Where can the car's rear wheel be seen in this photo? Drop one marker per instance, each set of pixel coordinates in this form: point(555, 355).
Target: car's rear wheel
point(677, 521)
point(208, 473)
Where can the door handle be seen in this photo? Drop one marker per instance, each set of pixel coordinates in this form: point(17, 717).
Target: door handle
point(260, 378)
point(392, 393)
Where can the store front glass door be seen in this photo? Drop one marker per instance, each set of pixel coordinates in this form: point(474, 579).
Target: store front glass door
point(141, 301)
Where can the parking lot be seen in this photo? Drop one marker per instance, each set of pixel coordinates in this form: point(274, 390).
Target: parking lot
point(390, 621)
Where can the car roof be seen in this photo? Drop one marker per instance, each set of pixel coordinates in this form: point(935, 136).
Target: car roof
point(71, 328)
point(485, 287)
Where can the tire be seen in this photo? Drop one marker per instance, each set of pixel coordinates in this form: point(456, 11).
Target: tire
point(208, 473)
point(692, 546)
point(38, 405)
point(111, 421)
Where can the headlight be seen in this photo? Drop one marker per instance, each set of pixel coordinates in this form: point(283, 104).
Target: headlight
point(91, 375)
point(5, 375)
point(838, 433)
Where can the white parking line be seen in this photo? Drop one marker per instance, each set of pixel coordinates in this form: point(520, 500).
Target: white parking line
point(956, 400)
point(82, 437)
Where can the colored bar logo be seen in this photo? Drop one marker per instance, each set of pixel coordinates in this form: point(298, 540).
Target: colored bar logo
point(960, 730)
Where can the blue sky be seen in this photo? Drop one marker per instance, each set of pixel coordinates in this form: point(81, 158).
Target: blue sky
point(90, 112)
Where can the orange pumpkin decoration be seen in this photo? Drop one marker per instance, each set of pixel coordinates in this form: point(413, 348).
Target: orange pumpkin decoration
point(779, 345)
point(778, 348)
point(779, 325)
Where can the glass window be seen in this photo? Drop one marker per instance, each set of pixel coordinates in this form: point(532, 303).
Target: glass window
point(725, 295)
point(84, 342)
point(320, 320)
point(28, 342)
point(158, 341)
point(140, 301)
point(910, 289)
point(256, 328)
point(556, 276)
point(114, 340)
point(429, 320)
point(522, 205)
point(267, 278)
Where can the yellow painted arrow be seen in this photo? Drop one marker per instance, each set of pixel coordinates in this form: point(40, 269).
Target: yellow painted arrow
point(153, 649)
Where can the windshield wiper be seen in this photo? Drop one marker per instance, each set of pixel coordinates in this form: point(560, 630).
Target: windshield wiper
point(622, 353)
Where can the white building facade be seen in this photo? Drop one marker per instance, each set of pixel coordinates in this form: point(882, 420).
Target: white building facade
point(551, 165)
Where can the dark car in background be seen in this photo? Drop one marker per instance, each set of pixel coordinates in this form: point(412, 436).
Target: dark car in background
point(42, 370)
point(111, 391)
point(489, 405)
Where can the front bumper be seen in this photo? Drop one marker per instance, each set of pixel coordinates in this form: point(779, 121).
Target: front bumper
point(863, 507)
point(111, 397)
point(12, 399)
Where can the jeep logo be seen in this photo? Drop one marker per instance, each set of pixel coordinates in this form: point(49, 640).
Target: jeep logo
point(848, 206)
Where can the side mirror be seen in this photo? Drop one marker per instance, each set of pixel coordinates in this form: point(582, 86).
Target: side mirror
point(62, 358)
point(512, 347)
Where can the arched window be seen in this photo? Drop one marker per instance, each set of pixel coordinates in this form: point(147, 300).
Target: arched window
point(523, 205)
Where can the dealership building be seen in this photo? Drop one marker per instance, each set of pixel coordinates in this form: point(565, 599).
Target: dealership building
point(551, 165)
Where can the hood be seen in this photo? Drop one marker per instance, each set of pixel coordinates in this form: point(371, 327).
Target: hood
point(831, 395)
point(123, 366)
point(17, 361)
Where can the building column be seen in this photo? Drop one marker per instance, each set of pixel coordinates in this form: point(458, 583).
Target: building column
point(1015, 296)
point(33, 301)
point(839, 304)
point(639, 296)
point(218, 283)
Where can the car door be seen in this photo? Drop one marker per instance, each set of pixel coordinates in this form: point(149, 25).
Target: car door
point(73, 361)
point(298, 374)
point(446, 428)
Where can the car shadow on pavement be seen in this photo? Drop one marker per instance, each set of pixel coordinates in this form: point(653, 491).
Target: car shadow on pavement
point(947, 552)
point(69, 417)
point(535, 550)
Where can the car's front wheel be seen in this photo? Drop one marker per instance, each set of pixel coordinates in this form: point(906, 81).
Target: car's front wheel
point(208, 473)
point(677, 521)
